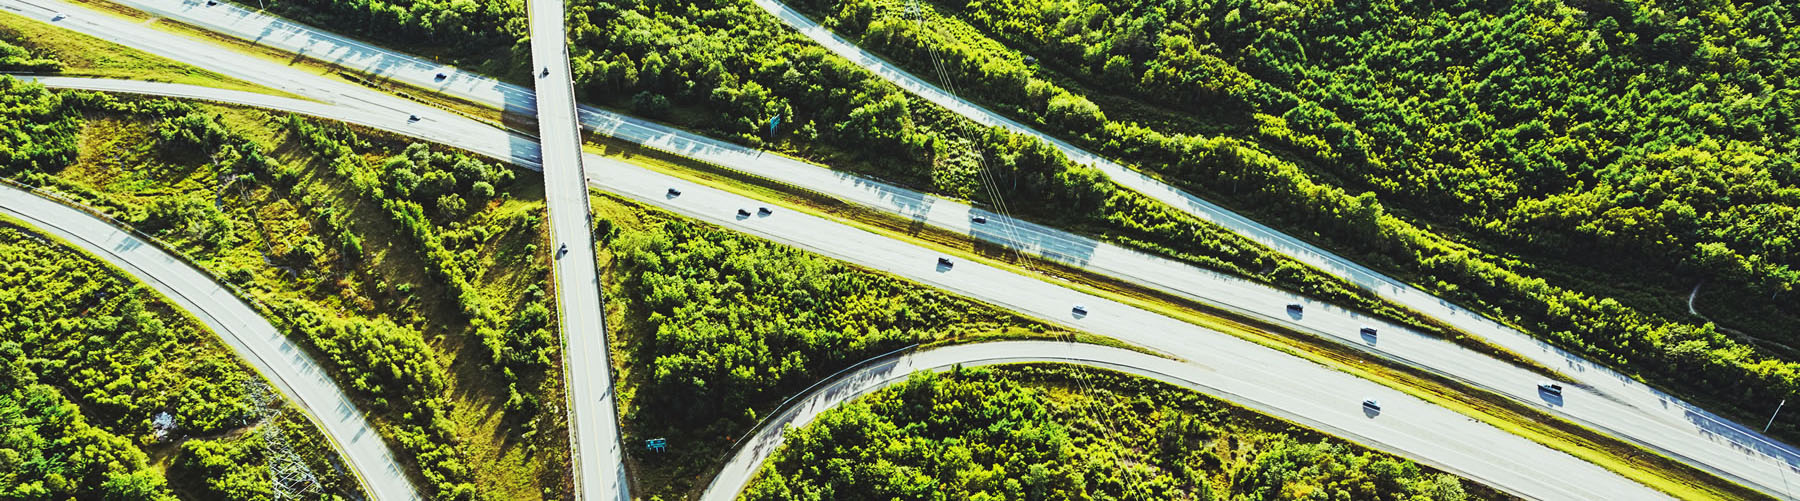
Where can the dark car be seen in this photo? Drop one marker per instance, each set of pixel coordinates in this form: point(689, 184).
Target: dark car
point(764, 211)
point(1296, 307)
point(743, 212)
point(945, 262)
point(674, 192)
point(1368, 331)
point(979, 219)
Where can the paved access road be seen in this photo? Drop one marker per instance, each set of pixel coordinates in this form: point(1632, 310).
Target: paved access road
point(1316, 408)
point(593, 421)
point(287, 367)
point(1278, 382)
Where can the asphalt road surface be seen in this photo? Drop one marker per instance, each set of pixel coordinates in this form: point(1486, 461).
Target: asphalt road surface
point(287, 367)
point(593, 421)
point(1612, 403)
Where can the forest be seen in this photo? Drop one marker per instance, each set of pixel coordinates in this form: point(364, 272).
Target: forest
point(410, 272)
point(104, 379)
point(1051, 432)
point(1583, 199)
point(712, 328)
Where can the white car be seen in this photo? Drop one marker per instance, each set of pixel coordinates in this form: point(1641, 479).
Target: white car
point(1080, 309)
point(59, 16)
point(1372, 404)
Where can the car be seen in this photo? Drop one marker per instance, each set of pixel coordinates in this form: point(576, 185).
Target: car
point(1368, 331)
point(1079, 310)
point(764, 211)
point(212, 3)
point(59, 16)
point(674, 192)
point(562, 250)
point(441, 76)
point(743, 212)
point(945, 262)
point(1372, 404)
point(979, 219)
point(546, 72)
point(412, 118)
point(1550, 388)
point(1296, 307)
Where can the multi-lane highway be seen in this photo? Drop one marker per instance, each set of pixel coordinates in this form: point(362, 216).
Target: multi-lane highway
point(599, 467)
point(1246, 372)
point(1618, 405)
point(286, 366)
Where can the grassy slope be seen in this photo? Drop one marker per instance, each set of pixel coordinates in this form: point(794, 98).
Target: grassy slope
point(86, 56)
point(119, 172)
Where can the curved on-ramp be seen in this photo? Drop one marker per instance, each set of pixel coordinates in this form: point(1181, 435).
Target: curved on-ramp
point(286, 366)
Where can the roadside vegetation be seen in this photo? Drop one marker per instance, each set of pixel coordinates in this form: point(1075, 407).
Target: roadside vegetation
point(712, 329)
point(29, 46)
point(1058, 432)
point(1581, 197)
point(109, 392)
point(411, 273)
point(726, 69)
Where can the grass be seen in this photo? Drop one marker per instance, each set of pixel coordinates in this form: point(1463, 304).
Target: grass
point(86, 56)
point(119, 173)
point(317, 66)
point(1629, 460)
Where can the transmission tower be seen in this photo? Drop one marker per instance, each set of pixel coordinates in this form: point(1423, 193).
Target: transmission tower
point(289, 476)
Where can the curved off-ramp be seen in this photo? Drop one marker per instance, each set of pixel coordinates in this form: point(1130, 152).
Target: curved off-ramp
point(285, 365)
point(1314, 407)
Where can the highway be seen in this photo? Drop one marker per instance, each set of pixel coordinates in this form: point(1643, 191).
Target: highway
point(599, 464)
point(1316, 408)
point(1266, 377)
point(287, 367)
point(1614, 403)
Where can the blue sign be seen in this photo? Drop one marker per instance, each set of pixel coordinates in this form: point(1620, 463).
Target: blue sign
point(774, 121)
point(656, 444)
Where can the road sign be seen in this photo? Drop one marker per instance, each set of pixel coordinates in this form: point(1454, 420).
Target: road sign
point(656, 444)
